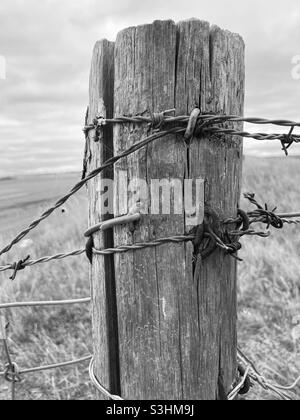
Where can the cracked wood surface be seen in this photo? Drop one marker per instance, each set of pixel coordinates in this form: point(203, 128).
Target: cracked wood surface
point(177, 339)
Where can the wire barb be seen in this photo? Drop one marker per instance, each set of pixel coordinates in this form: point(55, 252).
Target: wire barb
point(30, 263)
point(18, 266)
point(205, 237)
point(205, 118)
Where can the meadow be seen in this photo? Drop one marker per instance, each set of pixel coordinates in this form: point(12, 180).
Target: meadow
point(268, 286)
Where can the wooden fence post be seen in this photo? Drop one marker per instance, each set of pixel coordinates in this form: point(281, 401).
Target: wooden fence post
point(99, 148)
point(176, 339)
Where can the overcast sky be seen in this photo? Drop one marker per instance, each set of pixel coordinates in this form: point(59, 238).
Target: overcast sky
point(48, 44)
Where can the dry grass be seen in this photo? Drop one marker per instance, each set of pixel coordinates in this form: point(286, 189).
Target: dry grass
point(269, 283)
point(269, 277)
point(46, 336)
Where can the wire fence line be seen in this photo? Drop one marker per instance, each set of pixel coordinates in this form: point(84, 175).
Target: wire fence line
point(30, 263)
point(206, 124)
point(159, 120)
point(53, 366)
point(250, 374)
point(286, 218)
point(253, 373)
point(13, 374)
point(137, 146)
point(40, 304)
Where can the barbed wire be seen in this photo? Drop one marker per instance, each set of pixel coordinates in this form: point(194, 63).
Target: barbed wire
point(261, 215)
point(162, 118)
point(157, 120)
point(255, 136)
point(203, 124)
point(110, 162)
point(143, 245)
point(46, 259)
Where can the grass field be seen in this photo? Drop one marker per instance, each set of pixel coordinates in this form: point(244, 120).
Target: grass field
point(268, 287)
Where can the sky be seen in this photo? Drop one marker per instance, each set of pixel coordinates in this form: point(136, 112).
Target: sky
point(47, 47)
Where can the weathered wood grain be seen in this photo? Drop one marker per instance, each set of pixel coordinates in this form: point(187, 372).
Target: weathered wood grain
point(146, 281)
point(176, 339)
point(211, 70)
point(105, 330)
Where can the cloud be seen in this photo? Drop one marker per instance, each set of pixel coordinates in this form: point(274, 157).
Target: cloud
point(48, 45)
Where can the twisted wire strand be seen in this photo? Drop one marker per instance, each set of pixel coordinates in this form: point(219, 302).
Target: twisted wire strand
point(285, 218)
point(256, 136)
point(137, 146)
point(143, 245)
point(185, 118)
point(285, 139)
point(291, 222)
point(175, 239)
point(44, 303)
point(214, 119)
point(47, 259)
point(53, 366)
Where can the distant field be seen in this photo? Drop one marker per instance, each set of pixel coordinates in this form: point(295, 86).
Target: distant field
point(269, 284)
point(20, 197)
